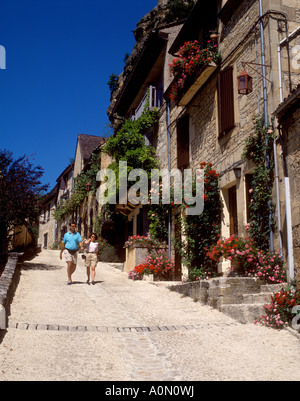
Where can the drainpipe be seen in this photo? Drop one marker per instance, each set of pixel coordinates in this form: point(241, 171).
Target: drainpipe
point(169, 169)
point(262, 41)
point(278, 197)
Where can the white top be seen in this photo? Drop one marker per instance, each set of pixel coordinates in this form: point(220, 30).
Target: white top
point(92, 247)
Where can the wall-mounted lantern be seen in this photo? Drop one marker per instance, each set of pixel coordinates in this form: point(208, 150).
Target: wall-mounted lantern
point(245, 85)
point(88, 187)
point(238, 172)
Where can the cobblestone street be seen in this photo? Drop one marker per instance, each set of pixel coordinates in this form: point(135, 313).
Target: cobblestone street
point(120, 330)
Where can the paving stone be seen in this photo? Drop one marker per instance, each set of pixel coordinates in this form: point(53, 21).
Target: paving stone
point(22, 326)
point(63, 328)
point(42, 327)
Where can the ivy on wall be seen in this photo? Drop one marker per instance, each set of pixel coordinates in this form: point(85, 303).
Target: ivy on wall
point(80, 192)
point(129, 145)
point(259, 149)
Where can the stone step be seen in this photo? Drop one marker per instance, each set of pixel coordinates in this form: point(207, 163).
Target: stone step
point(244, 313)
point(262, 298)
point(240, 298)
point(272, 288)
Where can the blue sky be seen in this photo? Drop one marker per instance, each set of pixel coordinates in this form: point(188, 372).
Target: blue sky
point(59, 56)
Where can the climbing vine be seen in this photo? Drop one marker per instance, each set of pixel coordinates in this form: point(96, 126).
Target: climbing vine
point(129, 145)
point(199, 232)
point(259, 149)
point(80, 191)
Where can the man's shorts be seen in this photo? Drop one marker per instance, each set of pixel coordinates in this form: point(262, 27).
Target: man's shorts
point(91, 259)
point(70, 256)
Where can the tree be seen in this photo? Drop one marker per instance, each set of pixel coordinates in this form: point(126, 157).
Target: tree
point(20, 188)
point(113, 82)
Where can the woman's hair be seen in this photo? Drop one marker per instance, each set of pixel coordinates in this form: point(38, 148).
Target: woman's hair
point(96, 236)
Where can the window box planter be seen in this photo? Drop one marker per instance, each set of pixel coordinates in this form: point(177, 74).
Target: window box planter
point(135, 255)
point(192, 90)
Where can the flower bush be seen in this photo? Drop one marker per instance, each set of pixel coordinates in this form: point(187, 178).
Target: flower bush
point(142, 242)
point(156, 263)
point(261, 207)
point(279, 311)
point(233, 248)
point(199, 232)
point(250, 261)
point(269, 267)
point(191, 59)
point(202, 273)
point(134, 275)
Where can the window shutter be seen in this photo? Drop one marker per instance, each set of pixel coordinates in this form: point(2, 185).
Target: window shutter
point(183, 142)
point(226, 101)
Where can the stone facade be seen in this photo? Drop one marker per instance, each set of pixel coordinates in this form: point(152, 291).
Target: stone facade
point(47, 223)
point(288, 116)
point(51, 231)
point(245, 36)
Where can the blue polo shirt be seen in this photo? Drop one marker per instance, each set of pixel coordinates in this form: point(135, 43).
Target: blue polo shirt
point(71, 241)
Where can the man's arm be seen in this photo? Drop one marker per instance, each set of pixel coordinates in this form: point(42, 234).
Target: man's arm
point(81, 246)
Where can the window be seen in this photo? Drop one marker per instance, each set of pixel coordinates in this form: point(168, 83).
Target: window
point(226, 101)
point(183, 142)
point(45, 241)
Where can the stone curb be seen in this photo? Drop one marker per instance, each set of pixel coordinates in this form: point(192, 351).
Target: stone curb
point(8, 283)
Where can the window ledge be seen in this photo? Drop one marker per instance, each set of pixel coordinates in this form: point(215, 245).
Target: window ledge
point(198, 83)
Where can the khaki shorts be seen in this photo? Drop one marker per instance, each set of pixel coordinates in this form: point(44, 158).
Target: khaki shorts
point(91, 259)
point(70, 257)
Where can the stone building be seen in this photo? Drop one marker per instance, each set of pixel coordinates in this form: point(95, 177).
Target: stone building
point(288, 117)
point(211, 119)
point(51, 229)
point(47, 223)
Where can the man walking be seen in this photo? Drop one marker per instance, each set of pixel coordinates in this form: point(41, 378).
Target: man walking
point(71, 241)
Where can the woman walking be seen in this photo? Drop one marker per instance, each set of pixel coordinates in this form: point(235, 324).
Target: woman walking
point(91, 257)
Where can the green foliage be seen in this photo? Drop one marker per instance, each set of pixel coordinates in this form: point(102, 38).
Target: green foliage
point(80, 192)
point(113, 82)
point(129, 145)
point(201, 231)
point(178, 10)
point(280, 312)
point(257, 148)
point(20, 190)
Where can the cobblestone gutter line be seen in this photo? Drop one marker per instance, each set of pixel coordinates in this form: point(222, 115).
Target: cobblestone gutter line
point(82, 329)
point(103, 329)
point(8, 283)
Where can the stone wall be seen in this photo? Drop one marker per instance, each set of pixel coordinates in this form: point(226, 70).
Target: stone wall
point(8, 283)
point(291, 129)
point(47, 226)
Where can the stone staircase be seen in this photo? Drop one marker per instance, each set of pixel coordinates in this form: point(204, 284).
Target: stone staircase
point(242, 299)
